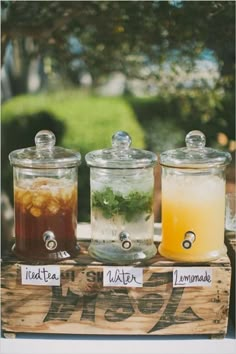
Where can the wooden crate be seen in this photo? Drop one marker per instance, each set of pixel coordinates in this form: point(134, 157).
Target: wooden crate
point(230, 241)
point(81, 304)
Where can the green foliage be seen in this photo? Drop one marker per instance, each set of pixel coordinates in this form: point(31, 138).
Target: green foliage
point(79, 121)
point(167, 118)
point(115, 204)
point(114, 34)
point(86, 123)
point(89, 120)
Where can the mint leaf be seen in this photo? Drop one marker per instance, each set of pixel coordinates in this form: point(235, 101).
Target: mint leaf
point(130, 206)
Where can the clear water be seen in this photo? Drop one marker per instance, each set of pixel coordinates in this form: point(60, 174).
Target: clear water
point(106, 244)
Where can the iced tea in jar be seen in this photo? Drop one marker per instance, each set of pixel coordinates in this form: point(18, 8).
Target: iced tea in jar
point(45, 200)
point(193, 201)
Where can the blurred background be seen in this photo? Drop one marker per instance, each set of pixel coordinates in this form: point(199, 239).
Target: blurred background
point(85, 69)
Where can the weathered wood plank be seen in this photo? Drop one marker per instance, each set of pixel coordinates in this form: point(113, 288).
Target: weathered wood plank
point(82, 305)
point(230, 241)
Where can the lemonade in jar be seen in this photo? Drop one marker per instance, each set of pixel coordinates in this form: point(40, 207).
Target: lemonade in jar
point(193, 201)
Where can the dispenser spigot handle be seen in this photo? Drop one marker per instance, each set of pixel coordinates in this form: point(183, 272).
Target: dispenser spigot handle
point(125, 240)
point(189, 238)
point(50, 240)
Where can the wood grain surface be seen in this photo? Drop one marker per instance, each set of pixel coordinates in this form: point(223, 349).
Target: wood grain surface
point(82, 305)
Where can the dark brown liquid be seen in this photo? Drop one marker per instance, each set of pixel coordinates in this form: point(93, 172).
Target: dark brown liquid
point(45, 206)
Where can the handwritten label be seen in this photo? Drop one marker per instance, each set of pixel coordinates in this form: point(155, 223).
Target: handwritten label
point(123, 276)
point(40, 275)
point(192, 276)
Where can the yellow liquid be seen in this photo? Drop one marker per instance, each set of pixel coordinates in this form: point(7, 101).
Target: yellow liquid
point(193, 204)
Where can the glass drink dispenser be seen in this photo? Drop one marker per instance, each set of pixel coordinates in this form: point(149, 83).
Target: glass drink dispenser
point(193, 201)
point(122, 220)
point(45, 200)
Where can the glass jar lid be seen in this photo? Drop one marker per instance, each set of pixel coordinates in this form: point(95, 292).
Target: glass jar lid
point(45, 154)
point(195, 154)
point(121, 155)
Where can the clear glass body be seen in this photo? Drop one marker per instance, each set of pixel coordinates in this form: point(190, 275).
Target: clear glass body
point(230, 212)
point(122, 219)
point(45, 203)
point(193, 203)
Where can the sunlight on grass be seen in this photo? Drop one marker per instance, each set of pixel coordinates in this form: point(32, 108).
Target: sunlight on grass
point(90, 120)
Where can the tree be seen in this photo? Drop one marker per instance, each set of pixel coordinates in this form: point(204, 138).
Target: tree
point(114, 35)
point(100, 37)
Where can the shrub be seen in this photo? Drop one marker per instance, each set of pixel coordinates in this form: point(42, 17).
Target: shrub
point(81, 122)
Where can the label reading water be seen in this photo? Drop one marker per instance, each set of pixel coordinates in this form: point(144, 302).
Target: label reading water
point(123, 276)
point(192, 276)
point(40, 275)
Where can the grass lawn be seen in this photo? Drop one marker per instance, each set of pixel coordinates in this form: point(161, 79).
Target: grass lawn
point(81, 122)
point(89, 120)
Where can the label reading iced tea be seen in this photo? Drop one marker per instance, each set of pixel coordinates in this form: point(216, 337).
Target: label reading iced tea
point(40, 275)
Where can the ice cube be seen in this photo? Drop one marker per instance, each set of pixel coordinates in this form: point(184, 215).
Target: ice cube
point(53, 206)
point(38, 199)
point(26, 199)
point(35, 212)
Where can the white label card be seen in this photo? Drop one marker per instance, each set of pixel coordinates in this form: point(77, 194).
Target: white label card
point(40, 275)
point(192, 276)
point(123, 276)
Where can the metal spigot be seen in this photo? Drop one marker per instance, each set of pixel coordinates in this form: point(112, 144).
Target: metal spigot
point(50, 240)
point(125, 241)
point(189, 238)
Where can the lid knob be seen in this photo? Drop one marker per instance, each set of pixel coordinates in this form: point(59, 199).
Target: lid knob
point(44, 139)
point(121, 140)
point(195, 139)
